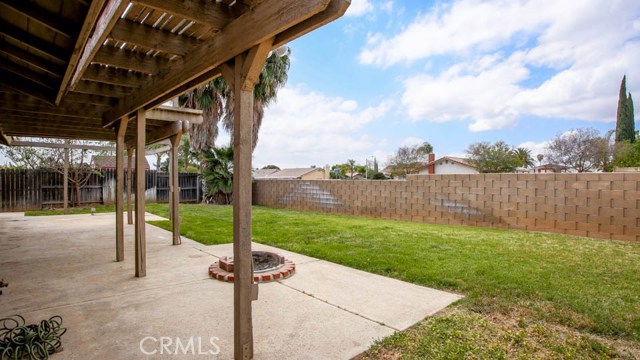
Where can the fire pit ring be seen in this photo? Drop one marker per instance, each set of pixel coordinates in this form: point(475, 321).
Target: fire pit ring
point(268, 266)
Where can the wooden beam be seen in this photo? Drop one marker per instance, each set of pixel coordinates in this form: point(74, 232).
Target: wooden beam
point(27, 87)
point(131, 60)
point(31, 59)
point(113, 76)
point(158, 150)
point(174, 188)
point(253, 64)
point(92, 99)
point(121, 130)
point(170, 113)
point(129, 185)
point(243, 261)
point(39, 128)
point(65, 181)
point(214, 14)
point(162, 133)
point(57, 133)
point(5, 139)
point(28, 74)
point(96, 88)
point(33, 42)
point(336, 9)
point(111, 13)
point(265, 21)
point(79, 111)
point(149, 37)
point(87, 26)
point(62, 146)
point(140, 248)
point(42, 16)
point(189, 85)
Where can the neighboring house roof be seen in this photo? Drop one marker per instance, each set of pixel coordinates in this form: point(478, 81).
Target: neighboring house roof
point(552, 167)
point(292, 173)
point(457, 160)
point(263, 173)
point(109, 162)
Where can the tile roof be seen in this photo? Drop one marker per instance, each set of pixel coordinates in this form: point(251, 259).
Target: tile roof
point(109, 162)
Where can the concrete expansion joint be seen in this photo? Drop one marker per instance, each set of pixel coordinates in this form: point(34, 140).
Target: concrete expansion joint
point(339, 307)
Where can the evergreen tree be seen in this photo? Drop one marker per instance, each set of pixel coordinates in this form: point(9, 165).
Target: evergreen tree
point(632, 120)
point(625, 126)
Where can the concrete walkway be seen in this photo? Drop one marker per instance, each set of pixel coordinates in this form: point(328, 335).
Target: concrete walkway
point(64, 265)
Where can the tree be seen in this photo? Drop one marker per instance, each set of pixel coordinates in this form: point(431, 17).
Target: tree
point(375, 166)
point(410, 159)
point(625, 122)
point(524, 157)
point(627, 155)
point(352, 167)
point(216, 100)
point(79, 170)
point(581, 149)
point(493, 158)
point(218, 173)
point(540, 157)
point(274, 167)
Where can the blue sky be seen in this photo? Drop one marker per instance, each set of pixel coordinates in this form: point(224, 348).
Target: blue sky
point(391, 73)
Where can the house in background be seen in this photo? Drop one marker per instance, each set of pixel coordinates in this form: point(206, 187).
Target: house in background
point(263, 173)
point(448, 165)
point(102, 162)
point(550, 168)
point(292, 174)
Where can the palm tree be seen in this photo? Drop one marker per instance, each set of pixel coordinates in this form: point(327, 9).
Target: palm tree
point(217, 102)
point(540, 157)
point(524, 157)
point(217, 172)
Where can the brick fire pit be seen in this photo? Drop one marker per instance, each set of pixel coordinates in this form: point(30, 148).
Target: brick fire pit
point(267, 266)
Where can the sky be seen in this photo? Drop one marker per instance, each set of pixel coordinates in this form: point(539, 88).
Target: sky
point(392, 73)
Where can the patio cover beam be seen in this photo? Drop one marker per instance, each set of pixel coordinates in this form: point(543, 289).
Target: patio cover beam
point(140, 246)
point(120, 131)
point(242, 79)
point(174, 188)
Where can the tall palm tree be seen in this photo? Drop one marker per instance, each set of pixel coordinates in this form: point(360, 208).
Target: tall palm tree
point(217, 102)
point(524, 157)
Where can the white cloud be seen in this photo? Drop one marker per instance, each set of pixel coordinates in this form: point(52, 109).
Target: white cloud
point(359, 7)
point(412, 140)
point(583, 46)
point(467, 91)
point(309, 128)
point(535, 147)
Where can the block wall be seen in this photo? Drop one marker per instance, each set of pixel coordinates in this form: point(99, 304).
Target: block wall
point(595, 205)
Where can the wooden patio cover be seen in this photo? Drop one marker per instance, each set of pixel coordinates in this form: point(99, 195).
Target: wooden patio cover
point(96, 70)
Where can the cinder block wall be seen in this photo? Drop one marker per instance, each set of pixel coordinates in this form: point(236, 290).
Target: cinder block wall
point(595, 205)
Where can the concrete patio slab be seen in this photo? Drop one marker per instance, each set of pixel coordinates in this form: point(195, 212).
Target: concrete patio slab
point(64, 265)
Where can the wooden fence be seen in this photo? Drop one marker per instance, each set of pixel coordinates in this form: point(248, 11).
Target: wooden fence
point(22, 190)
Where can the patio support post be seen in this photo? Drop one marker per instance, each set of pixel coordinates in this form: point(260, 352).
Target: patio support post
point(129, 185)
point(174, 188)
point(243, 77)
point(65, 181)
point(141, 251)
point(121, 129)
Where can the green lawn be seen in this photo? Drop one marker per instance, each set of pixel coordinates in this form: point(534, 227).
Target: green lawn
point(549, 295)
